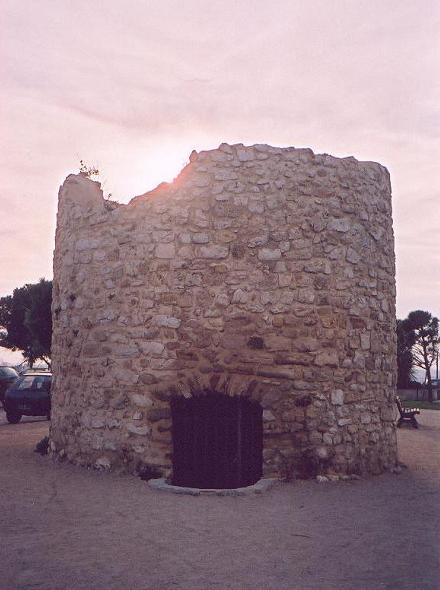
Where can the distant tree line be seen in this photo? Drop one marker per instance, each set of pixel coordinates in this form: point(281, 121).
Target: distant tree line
point(417, 346)
point(26, 321)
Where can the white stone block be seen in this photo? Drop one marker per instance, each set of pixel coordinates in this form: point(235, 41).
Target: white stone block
point(268, 254)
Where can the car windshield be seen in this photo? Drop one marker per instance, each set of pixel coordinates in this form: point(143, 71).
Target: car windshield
point(34, 382)
point(8, 372)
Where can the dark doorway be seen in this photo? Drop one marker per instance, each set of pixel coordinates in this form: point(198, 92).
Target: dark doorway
point(217, 441)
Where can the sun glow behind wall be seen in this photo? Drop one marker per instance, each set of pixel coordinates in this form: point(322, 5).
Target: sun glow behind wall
point(134, 87)
point(162, 166)
point(127, 174)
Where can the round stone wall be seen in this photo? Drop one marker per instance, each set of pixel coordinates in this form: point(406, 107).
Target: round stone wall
point(260, 272)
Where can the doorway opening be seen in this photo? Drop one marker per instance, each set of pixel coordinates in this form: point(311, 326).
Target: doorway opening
point(217, 441)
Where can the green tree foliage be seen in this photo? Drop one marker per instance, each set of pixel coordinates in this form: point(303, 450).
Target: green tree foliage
point(425, 329)
point(405, 342)
point(26, 321)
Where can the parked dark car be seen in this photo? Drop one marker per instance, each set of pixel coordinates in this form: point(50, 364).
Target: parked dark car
point(7, 376)
point(29, 395)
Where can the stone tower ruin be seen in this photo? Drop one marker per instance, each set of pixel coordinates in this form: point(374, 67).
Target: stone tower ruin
point(239, 321)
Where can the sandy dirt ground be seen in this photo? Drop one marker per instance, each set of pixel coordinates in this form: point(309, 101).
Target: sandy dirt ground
point(63, 527)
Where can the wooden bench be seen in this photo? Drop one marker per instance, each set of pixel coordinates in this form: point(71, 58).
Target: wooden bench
point(406, 414)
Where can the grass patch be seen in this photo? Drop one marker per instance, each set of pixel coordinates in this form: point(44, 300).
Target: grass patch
point(422, 405)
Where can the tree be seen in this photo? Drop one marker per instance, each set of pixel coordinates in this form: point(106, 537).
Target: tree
point(426, 341)
point(26, 321)
point(405, 341)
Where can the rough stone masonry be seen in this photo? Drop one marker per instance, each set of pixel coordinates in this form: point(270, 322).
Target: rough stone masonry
point(261, 272)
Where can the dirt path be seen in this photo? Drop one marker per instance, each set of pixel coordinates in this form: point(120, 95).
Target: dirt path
point(64, 528)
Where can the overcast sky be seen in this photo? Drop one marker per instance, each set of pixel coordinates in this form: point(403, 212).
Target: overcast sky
point(133, 86)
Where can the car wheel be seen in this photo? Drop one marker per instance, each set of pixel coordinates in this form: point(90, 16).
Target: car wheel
point(13, 418)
